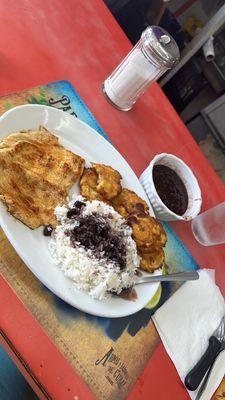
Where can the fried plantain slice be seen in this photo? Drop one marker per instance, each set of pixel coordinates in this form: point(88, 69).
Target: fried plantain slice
point(148, 233)
point(152, 261)
point(108, 183)
point(88, 184)
point(129, 202)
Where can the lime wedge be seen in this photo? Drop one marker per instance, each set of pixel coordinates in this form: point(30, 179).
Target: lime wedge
point(155, 299)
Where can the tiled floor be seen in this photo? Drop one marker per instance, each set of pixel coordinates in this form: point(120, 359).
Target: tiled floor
point(214, 154)
point(208, 145)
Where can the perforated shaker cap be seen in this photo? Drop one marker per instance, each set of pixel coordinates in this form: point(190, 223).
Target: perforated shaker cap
point(157, 43)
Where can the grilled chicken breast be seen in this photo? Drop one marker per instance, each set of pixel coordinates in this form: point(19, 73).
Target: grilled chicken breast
point(36, 173)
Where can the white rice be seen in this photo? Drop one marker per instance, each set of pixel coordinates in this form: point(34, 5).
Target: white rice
point(97, 277)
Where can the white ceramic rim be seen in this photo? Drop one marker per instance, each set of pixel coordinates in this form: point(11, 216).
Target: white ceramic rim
point(68, 129)
point(177, 160)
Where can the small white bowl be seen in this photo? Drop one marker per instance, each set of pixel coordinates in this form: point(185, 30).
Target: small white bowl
point(194, 193)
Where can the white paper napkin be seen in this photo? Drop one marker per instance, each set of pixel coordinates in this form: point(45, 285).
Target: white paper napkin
point(185, 323)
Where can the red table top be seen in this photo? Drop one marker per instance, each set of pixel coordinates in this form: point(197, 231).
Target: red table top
point(43, 41)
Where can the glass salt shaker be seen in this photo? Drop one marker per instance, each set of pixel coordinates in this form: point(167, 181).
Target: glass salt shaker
point(153, 55)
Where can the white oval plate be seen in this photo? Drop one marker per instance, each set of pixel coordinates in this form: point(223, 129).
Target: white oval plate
point(31, 245)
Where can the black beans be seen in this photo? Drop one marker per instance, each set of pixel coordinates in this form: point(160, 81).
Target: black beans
point(71, 213)
point(76, 210)
point(170, 188)
point(79, 204)
point(47, 231)
point(92, 232)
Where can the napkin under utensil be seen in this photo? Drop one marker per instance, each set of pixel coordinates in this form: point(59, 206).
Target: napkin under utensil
point(186, 322)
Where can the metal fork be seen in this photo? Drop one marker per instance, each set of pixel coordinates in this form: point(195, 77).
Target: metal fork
point(190, 275)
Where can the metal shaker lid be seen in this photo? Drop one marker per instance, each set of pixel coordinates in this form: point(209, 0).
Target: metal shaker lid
point(157, 43)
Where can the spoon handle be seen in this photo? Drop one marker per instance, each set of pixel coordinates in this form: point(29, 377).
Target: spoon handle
point(190, 275)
